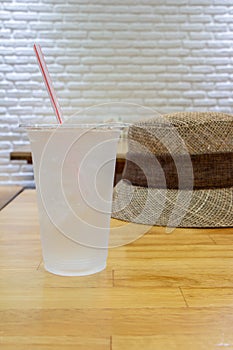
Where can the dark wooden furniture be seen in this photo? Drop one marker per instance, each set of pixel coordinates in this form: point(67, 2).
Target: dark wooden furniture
point(24, 153)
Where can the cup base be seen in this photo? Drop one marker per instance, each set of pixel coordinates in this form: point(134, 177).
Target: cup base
point(91, 271)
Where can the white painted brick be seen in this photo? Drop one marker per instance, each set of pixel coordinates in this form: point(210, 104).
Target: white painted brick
point(40, 7)
point(200, 19)
point(202, 69)
point(53, 1)
point(155, 103)
point(29, 102)
point(176, 53)
point(179, 69)
point(48, 35)
point(50, 17)
point(11, 24)
point(20, 110)
point(8, 102)
point(176, 18)
point(21, 51)
point(103, 68)
point(143, 77)
point(15, 6)
point(174, 2)
point(24, 34)
point(224, 69)
point(5, 68)
point(114, 17)
point(170, 55)
point(194, 94)
point(224, 19)
point(6, 122)
point(206, 52)
point(135, 27)
point(27, 168)
point(216, 27)
point(43, 25)
point(21, 177)
point(95, 77)
point(226, 102)
point(5, 145)
point(200, 36)
point(74, 34)
point(153, 69)
point(224, 86)
point(219, 60)
point(17, 77)
point(24, 16)
point(217, 77)
point(4, 161)
point(165, 60)
point(204, 102)
point(5, 15)
point(2, 95)
point(3, 110)
point(29, 68)
point(68, 95)
point(216, 10)
point(192, 27)
point(9, 168)
point(5, 34)
point(73, 85)
point(200, 2)
point(152, 52)
point(220, 94)
point(224, 36)
point(20, 85)
point(191, 10)
point(24, 1)
point(194, 44)
point(94, 94)
point(13, 137)
point(180, 86)
point(166, 10)
point(174, 35)
point(13, 59)
point(180, 102)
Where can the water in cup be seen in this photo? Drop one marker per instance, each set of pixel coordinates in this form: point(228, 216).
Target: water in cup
point(74, 171)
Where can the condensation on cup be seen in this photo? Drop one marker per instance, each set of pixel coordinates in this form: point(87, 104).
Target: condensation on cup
point(74, 171)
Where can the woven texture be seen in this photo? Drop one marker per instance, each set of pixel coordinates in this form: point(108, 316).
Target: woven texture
point(190, 133)
point(178, 133)
point(210, 170)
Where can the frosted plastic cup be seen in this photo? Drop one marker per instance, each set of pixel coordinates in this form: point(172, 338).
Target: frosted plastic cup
point(74, 171)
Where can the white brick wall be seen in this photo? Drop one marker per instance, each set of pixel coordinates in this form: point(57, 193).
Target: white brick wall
point(167, 54)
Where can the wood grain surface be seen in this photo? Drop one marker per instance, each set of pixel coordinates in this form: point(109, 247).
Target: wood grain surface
point(7, 193)
point(162, 291)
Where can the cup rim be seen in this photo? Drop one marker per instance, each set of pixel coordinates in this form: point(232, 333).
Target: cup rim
point(110, 125)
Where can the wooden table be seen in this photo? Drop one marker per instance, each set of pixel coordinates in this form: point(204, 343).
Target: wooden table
point(163, 291)
point(8, 193)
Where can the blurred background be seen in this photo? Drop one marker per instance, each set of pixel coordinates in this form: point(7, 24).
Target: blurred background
point(170, 55)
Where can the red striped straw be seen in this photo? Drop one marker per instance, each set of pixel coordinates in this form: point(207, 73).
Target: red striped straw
point(48, 82)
